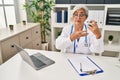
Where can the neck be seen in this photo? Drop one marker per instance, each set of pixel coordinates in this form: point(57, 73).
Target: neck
point(79, 27)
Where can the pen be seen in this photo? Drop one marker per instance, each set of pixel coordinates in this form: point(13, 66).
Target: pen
point(81, 67)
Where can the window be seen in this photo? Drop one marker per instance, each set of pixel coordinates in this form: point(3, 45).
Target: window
point(7, 13)
point(113, 16)
point(0, 2)
point(8, 1)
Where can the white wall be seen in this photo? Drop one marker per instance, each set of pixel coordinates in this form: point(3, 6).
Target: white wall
point(22, 11)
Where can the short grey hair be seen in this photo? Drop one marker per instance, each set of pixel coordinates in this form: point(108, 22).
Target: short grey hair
point(80, 7)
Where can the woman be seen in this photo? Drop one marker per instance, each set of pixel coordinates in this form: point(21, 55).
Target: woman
point(80, 37)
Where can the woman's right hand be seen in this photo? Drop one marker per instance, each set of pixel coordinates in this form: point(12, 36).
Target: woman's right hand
point(78, 34)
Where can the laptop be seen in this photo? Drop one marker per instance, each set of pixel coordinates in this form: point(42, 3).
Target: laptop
point(37, 60)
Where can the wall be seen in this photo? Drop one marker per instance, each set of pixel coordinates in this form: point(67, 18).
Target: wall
point(22, 11)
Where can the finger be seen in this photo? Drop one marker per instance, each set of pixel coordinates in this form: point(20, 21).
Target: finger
point(90, 27)
point(94, 26)
point(93, 23)
point(83, 32)
point(90, 24)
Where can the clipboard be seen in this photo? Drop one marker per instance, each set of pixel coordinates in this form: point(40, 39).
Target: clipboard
point(90, 67)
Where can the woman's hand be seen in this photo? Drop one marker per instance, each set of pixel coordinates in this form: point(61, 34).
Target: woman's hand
point(94, 28)
point(78, 34)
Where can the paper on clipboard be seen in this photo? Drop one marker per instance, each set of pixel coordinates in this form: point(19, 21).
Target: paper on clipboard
point(87, 65)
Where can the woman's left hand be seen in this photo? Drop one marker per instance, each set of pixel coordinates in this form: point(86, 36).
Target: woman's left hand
point(94, 28)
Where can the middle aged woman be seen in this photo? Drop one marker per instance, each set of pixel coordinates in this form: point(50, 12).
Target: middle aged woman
point(79, 37)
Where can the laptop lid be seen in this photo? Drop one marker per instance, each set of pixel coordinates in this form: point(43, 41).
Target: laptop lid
point(25, 56)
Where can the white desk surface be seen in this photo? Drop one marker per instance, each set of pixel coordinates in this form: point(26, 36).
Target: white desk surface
point(17, 69)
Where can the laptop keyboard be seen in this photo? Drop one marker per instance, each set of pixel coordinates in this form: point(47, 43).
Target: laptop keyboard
point(42, 57)
point(41, 61)
point(37, 62)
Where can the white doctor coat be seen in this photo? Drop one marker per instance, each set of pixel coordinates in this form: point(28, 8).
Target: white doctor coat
point(64, 43)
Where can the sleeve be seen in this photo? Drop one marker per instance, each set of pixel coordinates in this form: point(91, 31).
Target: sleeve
point(96, 45)
point(63, 41)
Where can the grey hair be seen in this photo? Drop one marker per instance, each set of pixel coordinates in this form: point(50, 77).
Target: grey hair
point(80, 7)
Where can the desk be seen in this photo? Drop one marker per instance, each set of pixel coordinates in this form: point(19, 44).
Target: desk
point(17, 69)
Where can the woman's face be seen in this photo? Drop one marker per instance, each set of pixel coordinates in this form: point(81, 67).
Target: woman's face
point(79, 17)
